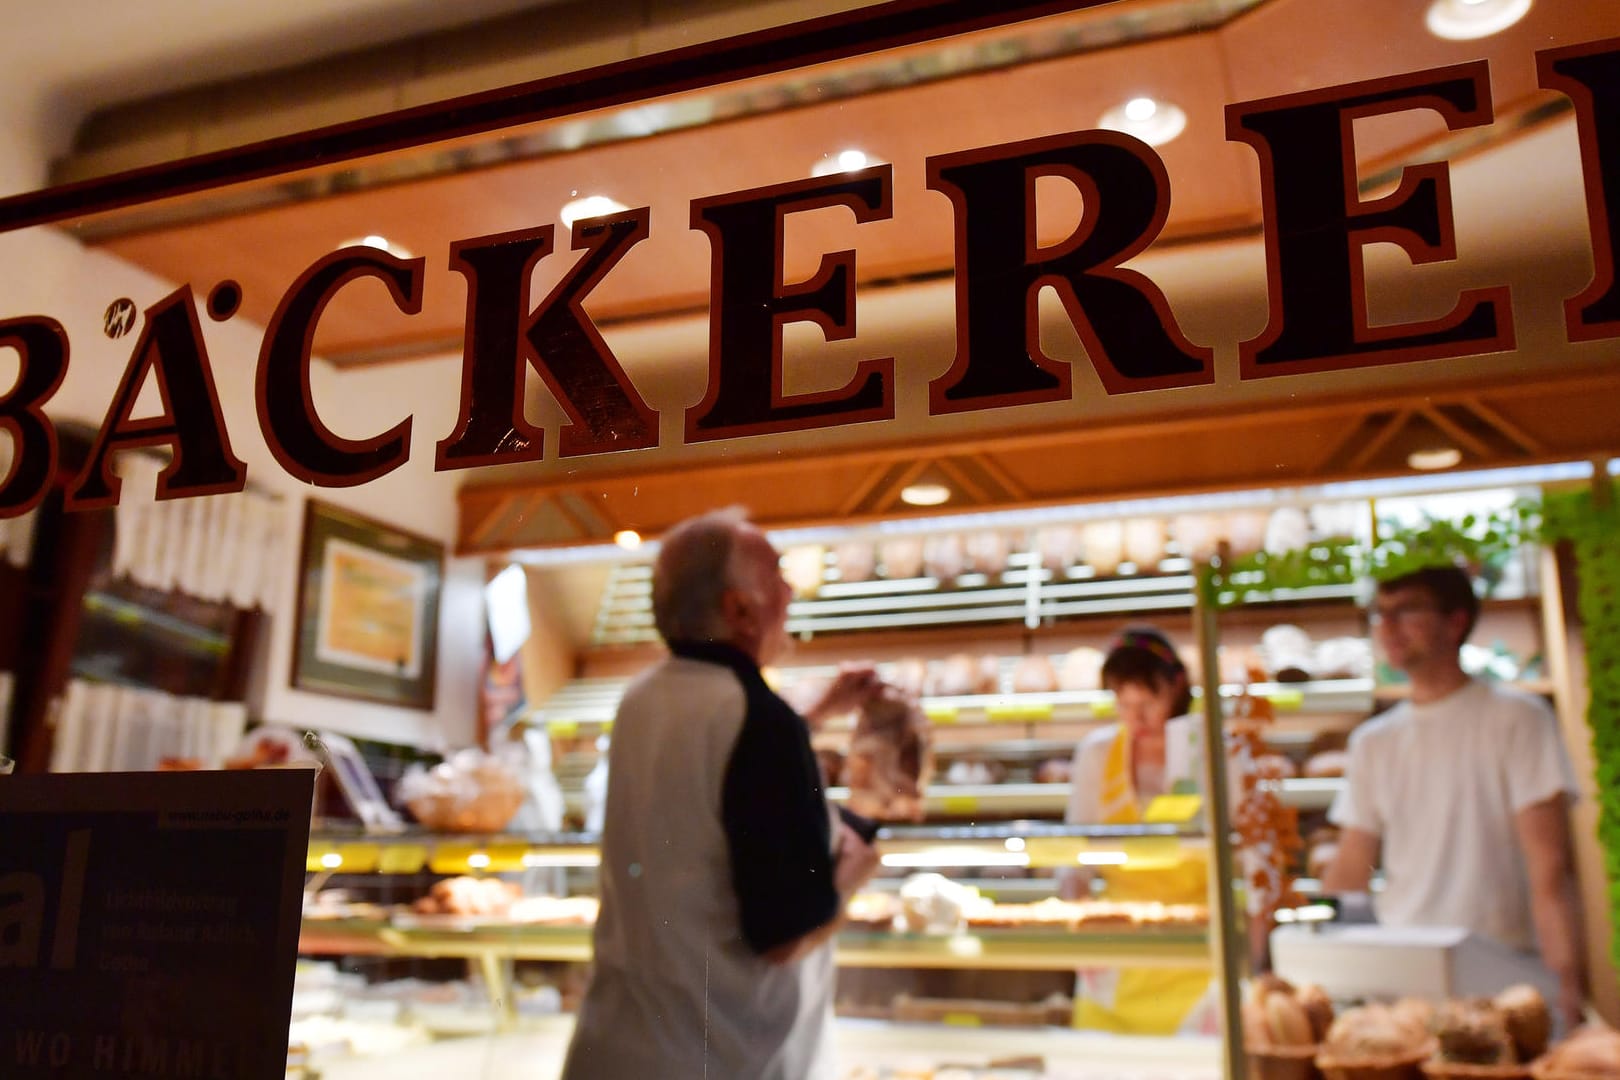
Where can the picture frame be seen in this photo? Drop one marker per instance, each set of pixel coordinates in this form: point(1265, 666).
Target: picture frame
point(368, 609)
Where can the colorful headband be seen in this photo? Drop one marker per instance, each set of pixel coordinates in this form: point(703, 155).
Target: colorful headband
point(1150, 641)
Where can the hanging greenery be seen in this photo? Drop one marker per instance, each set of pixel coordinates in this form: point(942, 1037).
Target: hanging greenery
point(1481, 542)
point(1592, 527)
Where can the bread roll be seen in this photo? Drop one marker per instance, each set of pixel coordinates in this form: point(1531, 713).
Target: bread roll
point(1529, 1021)
point(1082, 669)
point(1104, 545)
point(1319, 1007)
point(987, 552)
point(1144, 543)
point(1034, 675)
point(1287, 1022)
point(902, 557)
point(856, 560)
point(943, 558)
point(1473, 1033)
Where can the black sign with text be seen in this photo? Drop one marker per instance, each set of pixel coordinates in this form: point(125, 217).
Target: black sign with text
point(149, 923)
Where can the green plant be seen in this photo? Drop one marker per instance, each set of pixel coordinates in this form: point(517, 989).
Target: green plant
point(1590, 523)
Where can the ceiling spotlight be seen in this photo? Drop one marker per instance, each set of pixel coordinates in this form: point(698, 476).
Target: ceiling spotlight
point(628, 539)
point(841, 162)
point(588, 207)
point(381, 243)
point(1439, 457)
point(925, 494)
point(1464, 20)
point(1154, 122)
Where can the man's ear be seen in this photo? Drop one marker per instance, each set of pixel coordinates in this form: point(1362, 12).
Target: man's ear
point(736, 606)
point(1458, 621)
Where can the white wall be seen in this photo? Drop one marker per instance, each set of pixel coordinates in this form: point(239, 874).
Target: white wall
point(44, 271)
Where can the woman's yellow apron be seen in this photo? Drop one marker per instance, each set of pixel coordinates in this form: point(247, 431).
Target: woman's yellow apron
point(1133, 1000)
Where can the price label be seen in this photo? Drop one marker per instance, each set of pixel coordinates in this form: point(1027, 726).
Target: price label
point(941, 714)
point(1287, 700)
point(1172, 809)
point(960, 804)
point(1104, 708)
point(1018, 714)
point(402, 859)
point(962, 1019)
point(562, 728)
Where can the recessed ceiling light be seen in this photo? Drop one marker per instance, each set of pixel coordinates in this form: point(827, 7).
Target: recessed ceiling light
point(381, 243)
point(841, 162)
point(1463, 20)
point(1154, 122)
point(925, 494)
point(628, 539)
point(588, 207)
point(1440, 457)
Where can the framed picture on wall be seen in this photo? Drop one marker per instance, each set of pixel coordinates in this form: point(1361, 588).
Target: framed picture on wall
point(368, 609)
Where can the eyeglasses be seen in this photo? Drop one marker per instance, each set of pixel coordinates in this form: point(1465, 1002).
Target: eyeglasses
point(1400, 612)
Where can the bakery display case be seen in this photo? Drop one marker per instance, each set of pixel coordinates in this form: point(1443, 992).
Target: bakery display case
point(1004, 663)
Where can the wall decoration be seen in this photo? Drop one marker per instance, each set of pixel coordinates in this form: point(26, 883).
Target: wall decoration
point(368, 609)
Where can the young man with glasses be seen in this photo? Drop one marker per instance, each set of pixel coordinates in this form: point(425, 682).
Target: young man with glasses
point(1461, 792)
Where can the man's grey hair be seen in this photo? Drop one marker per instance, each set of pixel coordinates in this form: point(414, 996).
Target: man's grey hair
point(697, 562)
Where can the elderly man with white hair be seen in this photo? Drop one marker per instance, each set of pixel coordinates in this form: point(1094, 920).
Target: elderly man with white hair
point(724, 873)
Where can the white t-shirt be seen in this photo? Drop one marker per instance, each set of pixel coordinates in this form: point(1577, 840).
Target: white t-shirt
point(1440, 784)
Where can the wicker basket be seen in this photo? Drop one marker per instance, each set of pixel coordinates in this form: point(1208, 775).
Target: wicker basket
point(1540, 1071)
point(1453, 1070)
point(1283, 1063)
point(1408, 1067)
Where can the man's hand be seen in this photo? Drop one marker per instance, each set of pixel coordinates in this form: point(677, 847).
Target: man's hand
point(1555, 904)
point(1352, 867)
point(857, 862)
point(848, 691)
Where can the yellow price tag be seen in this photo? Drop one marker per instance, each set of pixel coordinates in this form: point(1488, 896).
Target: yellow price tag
point(940, 714)
point(962, 1019)
point(563, 728)
point(360, 858)
point(402, 859)
point(1287, 700)
point(959, 804)
point(1018, 714)
point(1173, 809)
point(1104, 708)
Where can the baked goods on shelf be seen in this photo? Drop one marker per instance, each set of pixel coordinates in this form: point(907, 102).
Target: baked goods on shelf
point(468, 896)
point(1089, 915)
point(1472, 1032)
point(1591, 1053)
point(1374, 1042)
point(1283, 1026)
point(1529, 1020)
point(1034, 675)
point(470, 792)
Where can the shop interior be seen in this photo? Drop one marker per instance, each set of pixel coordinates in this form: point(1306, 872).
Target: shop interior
point(982, 558)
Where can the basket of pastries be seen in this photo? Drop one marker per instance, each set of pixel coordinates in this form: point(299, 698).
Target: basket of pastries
point(1283, 1025)
point(1489, 1038)
point(1375, 1042)
point(472, 792)
point(1591, 1053)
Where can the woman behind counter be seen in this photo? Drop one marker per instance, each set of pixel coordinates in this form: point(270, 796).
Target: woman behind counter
point(1117, 771)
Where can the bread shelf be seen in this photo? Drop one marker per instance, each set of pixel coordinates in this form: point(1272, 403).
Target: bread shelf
point(1018, 950)
point(1016, 844)
point(589, 704)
